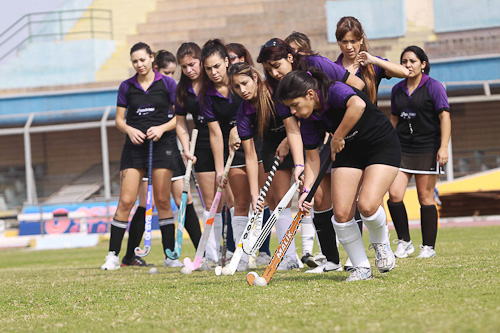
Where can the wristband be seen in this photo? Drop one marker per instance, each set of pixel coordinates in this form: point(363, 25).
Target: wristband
point(304, 190)
point(301, 165)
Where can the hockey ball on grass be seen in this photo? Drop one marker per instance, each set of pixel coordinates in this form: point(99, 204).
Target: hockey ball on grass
point(186, 270)
point(218, 270)
point(226, 271)
point(260, 282)
point(153, 270)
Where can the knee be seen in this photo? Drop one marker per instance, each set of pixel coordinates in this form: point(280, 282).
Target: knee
point(367, 208)
point(426, 199)
point(241, 207)
point(126, 203)
point(163, 202)
point(341, 216)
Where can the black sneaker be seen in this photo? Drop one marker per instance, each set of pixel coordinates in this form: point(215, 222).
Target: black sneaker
point(305, 257)
point(135, 261)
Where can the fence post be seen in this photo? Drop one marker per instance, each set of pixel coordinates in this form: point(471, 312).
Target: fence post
point(105, 154)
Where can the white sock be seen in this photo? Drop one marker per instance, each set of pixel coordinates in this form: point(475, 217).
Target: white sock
point(350, 238)
point(238, 223)
point(376, 226)
point(308, 232)
point(213, 244)
point(282, 225)
point(231, 211)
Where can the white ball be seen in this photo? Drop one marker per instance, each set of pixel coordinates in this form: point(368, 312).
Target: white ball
point(260, 282)
point(226, 271)
point(218, 270)
point(153, 270)
point(186, 270)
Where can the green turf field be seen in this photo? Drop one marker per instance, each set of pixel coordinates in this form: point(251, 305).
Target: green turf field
point(64, 290)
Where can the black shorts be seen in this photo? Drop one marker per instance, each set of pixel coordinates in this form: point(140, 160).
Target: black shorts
point(180, 170)
point(165, 155)
point(360, 157)
point(239, 155)
point(420, 163)
point(268, 152)
point(326, 154)
point(204, 160)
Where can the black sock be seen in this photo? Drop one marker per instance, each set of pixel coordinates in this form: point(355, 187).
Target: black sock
point(192, 225)
point(265, 246)
point(429, 218)
point(117, 231)
point(135, 231)
point(167, 228)
point(399, 219)
point(357, 217)
point(326, 235)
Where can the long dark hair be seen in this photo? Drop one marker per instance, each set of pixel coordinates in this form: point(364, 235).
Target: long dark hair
point(193, 50)
point(277, 49)
point(302, 41)
point(265, 104)
point(296, 84)
point(421, 55)
point(211, 47)
point(241, 51)
point(351, 24)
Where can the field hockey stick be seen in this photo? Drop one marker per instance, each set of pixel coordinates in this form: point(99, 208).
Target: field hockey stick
point(223, 252)
point(149, 208)
point(181, 216)
point(200, 252)
point(238, 252)
point(280, 252)
point(195, 180)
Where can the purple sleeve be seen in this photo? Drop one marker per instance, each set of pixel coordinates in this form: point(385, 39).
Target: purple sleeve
point(207, 111)
point(170, 85)
point(394, 109)
point(309, 133)
point(122, 95)
point(338, 95)
point(438, 95)
point(243, 123)
point(331, 69)
point(282, 110)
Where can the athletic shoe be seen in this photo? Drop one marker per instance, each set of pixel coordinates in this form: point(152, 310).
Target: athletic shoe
point(287, 264)
point(404, 248)
point(229, 255)
point(426, 251)
point(297, 259)
point(242, 266)
point(263, 259)
point(208, 265)
point(111, 262)
point(167, 262)
point(326, 266)
point(305, 257)
point(360, 273)
point(316, 260)
point(384, 258)
point(348, 266)
point(252, 262)
point(135, 261)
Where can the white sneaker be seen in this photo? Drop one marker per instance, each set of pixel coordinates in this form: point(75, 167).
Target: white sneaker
point(326, 266)
point(360, 273)
point(263, 259)
point(426, 251)
point(252, 261)
point(384, 258)
point(287, 264)
point(348, 266)
point(208, 265)
point(404, 249)
point(111, 262)
point(172, 263)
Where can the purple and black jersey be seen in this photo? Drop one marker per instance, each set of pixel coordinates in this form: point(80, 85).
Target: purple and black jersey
point(371, 129)
point(192, 105)
point(419, 127)
point(379, 71)
point(246, 121)
point(148, 108)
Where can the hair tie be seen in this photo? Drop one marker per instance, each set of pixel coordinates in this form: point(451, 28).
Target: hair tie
point(309, 73)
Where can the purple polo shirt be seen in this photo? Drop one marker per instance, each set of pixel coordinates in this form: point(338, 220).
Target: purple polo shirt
point(331, 69)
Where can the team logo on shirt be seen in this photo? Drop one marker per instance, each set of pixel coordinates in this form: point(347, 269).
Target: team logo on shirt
point(144, 110)
point(351, 136)
point(408, 114)
point(201, 119)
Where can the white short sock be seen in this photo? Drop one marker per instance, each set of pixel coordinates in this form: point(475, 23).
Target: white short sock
point(350, 238)
point(238, 223)
point(213, 244)
point(376, 226)
point(308, 232)
point(282, 225)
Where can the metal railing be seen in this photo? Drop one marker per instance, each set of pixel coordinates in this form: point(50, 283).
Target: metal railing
point(55, 25)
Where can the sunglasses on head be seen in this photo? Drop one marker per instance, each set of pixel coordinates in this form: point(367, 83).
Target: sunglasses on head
point(272, 43)
point(232, 57)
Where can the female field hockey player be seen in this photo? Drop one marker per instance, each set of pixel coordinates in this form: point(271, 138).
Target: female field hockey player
point(257, 115)
point(165, 64)
point(144, 101)
point(219, 107)
point(279, 59)
point(421, 115)
point(365, 153)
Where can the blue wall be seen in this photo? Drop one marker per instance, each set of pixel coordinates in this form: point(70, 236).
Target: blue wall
point(458, 15)
point(380, 18)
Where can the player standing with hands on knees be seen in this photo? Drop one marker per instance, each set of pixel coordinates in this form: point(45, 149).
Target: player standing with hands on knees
point(145, 102)
point(366, 155)
point(421, 115)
